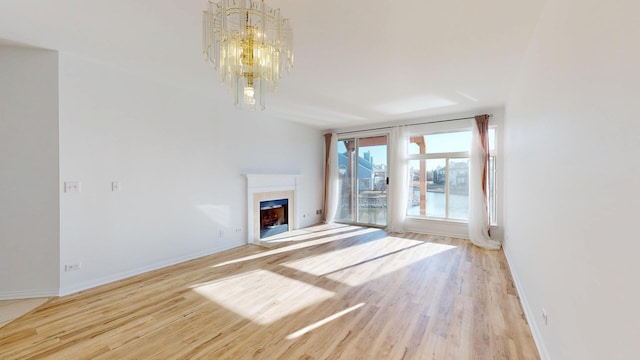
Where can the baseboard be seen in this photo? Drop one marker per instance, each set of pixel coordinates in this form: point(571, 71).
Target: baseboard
point(140, 270)
point(420, 230)
point(528, 312)
point(28, 294)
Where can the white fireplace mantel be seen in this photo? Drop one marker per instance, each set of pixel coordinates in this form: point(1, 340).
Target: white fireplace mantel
point(261, 187)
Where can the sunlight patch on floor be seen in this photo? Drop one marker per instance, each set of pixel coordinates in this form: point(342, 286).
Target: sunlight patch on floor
point(332, 261)
point(298, 246)
point(324, 321)
point(263, 296)
point(362, 263)
point(307, 234)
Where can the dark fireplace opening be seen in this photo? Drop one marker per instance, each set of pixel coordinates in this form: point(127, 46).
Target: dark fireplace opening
point(274, 217)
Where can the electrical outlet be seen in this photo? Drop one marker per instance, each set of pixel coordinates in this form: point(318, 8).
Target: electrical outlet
point(319, 212)
point(72, 267)
point(72, 186)
point(238, 230)
point(545, 317)
point(115, 186)
point(221, 234)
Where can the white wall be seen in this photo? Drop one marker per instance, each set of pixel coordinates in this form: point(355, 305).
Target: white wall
point(29, 215)
point(572, 175)
point(179, 157)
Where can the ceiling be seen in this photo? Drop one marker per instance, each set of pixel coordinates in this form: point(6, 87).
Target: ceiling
point(356, 61)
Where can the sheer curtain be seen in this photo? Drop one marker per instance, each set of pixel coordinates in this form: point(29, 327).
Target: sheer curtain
point(478, 170)
point(331, 178)
point(397, 192)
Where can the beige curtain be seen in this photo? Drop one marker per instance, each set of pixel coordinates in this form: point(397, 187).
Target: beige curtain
point(482, 122)
point(479, 230)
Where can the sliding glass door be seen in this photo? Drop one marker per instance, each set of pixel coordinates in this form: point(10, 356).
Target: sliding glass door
point(362, 172)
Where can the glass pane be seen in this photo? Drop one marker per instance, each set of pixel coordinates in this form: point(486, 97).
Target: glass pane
point(416, 207)
point(346, 161)
point(372, 176)
point(440, 143)
point(428, 179)
point(416, 145)
point(459, 189)
point(448, 142)
point(436, 179)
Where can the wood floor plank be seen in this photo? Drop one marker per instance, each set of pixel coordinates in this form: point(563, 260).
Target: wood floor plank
point(339, 292)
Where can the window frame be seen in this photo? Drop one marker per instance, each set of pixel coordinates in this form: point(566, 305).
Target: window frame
point(357, 136)
point(447, 156)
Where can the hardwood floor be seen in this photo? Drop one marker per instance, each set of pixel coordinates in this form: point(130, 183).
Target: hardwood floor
point(335, 292)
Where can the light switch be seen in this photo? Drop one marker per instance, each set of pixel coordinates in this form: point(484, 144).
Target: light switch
point(72, 186)
point(115, 186)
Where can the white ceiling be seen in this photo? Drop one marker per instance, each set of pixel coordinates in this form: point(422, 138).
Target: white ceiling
point(356, 61)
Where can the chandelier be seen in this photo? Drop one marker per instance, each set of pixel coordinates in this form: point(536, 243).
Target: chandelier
point(250, 44)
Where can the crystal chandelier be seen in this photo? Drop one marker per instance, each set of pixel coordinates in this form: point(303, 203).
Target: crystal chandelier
point(251, 45)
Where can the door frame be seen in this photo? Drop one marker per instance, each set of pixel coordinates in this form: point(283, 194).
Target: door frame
point(357, 136)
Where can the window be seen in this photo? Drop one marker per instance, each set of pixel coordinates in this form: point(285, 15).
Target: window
point(439, 175)
point(362, 174)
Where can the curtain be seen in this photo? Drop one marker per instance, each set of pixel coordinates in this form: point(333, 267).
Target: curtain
point(397, 191)
point(331, 177)
point(479, 232)
point(325, 200)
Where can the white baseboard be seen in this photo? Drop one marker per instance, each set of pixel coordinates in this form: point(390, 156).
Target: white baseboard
point(137, 271)
point(436, 232)
point(28, 294)
point(437, 227)
point(528, 312)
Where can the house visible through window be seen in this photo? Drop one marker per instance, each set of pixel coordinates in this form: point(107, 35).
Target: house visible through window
point(439, 175)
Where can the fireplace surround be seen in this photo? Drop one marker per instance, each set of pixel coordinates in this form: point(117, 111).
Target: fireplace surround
point(269, 188)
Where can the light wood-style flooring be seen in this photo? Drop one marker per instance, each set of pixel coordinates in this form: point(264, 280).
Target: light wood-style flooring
point(330, 292)
point(13, 309)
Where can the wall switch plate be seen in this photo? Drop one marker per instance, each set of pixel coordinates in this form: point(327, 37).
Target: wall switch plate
point(115, 186)
point(72, 186)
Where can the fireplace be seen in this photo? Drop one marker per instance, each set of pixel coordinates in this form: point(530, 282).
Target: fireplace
point(271, 206)
point(274, 217)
